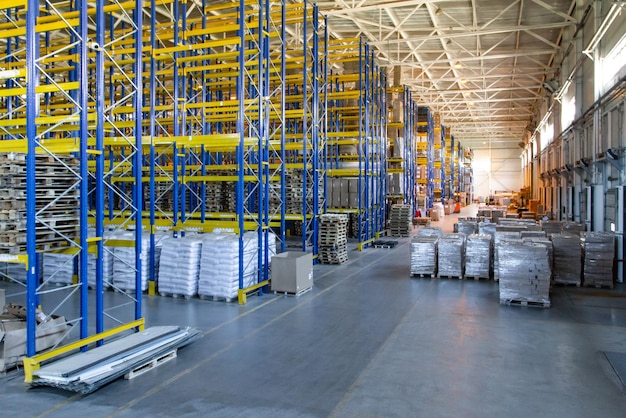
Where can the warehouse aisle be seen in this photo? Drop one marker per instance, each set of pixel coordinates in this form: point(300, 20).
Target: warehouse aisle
point(369, 341)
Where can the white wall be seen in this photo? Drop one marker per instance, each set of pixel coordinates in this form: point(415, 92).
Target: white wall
point(498, 169)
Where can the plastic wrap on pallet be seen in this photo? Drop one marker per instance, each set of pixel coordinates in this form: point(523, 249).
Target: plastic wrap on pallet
point(524, 272)
point(124, 262)
point(219, 264)
point(430, 231)
point(487, 228)
point(424, 254)
point(551, 227)
point(545, 241)
point(467, 227)
point(598, 258)
point(478, 256)
point(532, 234)
point(497, 214)
point(450, 255)
point(572, 227)
point(567, 258)
point(500, 239)
point(107, 263)
point(58, 268)
point(179, 266)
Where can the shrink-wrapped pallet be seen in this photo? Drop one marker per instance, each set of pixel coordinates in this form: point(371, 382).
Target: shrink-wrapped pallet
point(450, 255)
point(424, 255)
point(219, 264)
point(124, 268)
point(551, 227)
point(179, 266)
point(500, 239)
point(572, 227)
point(58, 268)
point(487, 228)
point(567, 259)
point(467, 227)
point(478, 256)
point(434, 231)
point(599, 254)
point(524, 273)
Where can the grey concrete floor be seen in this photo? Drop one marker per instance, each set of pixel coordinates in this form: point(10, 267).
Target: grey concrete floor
point(369, 341)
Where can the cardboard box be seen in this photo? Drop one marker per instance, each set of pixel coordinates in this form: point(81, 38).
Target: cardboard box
point(353, 199)
point(434, 215)
point(345, 184)
point(13, 338)
point(336, 200)
point(292, 272)
point(336, 185)
point(345, 200)
point(353, 185)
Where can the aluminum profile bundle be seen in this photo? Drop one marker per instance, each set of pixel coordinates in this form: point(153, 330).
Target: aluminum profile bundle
point(599, 254)
point(219, 264)
point(333, 239)
point(400, 220)
point(478, 256)
point(500, 240)
point(124, 263)
point(567, 259)
point(424, 255)
point(467, 227)
point(434, 231)
point(451, 248)
point(58, 268)
point(179, 267)
point(524, 272)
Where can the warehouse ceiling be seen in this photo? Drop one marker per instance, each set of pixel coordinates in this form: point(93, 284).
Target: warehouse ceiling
point(482, 64)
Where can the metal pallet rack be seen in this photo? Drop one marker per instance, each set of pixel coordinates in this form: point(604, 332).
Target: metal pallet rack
point(439, 174)
point(425, 159)
point(357, 134)
point(53, 117)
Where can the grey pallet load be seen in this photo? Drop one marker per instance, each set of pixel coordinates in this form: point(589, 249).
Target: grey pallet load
point(433, 231)
point(450, 260)
point(467, 227)
point(400, 219)
point(424, 255)
point(500, 240)
point(85, 372)
point(567, 264)
point(333, 239)
point(179, 266)
point(478, 256)
point(524, 273)
point(598, 258)
point(551, 227)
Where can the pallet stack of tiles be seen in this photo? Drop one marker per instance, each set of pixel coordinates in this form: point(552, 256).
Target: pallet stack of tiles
point(56, 202)
point(599, 252)
point(478, 256)
point(567, 265)
point(524, 273)
point(450, 257)
point(400, 221)
point(333, 239)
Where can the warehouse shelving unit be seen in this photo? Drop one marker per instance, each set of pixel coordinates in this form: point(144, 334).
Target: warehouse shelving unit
point(357, 140)
point(425, 157)
point(52, 131)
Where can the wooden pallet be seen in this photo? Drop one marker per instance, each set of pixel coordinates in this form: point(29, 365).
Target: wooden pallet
point(423, 275)
point(475, 278)
point(446, 276)
point(533, 304)
point(218, 298)
point(599, 286)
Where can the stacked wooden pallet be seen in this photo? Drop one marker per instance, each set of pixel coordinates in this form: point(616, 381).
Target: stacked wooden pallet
point(56, 202)
point(400, 221)
point(333, 241)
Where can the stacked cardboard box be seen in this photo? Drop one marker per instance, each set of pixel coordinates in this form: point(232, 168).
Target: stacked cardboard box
point(567, 264)
point(599, 254)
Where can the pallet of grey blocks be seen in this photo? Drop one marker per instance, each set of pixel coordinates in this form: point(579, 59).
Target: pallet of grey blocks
point(400, 221)
point(478, 256)
point(424, 255)
point(567, 263)
point(500, 240)
point(524, 273)
point(450, 251)
point(467, 227)
point(598, 258)
point(333, 239)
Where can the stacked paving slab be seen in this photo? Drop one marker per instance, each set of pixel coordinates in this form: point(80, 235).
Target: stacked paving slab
point(478, 251)
point(524, 273)
point(451, 249)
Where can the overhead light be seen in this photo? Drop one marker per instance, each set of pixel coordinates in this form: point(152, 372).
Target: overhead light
point(614, 11)
point(471, 103)
point(438, 12)
point(463, 81)
point(458, 64)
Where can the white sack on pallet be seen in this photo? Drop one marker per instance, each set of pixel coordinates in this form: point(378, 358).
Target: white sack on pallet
point(179, 266)
point(58, 268)
point(124, 269)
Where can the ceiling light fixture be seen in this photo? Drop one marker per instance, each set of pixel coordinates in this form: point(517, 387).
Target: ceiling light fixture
point(438, 12)
point(458, 64)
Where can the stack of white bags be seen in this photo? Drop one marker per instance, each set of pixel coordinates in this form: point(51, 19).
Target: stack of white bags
point(124, 263)
point(58, 268)
point(179, 266)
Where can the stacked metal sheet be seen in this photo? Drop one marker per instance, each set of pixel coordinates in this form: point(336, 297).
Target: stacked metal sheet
point(572, 227)
point(424, 255)
point(400, 220)
point(478, 256)
point(451, 248)
point(599, 254)
point(124, 263)
point(219, 265)
point(179, 266)
point(524, 272)
point(501, 239)
point(430, 231)
point(333, 239)
point(567, 264)
point(56, 202)
point(551, 227)
point(467, 227)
